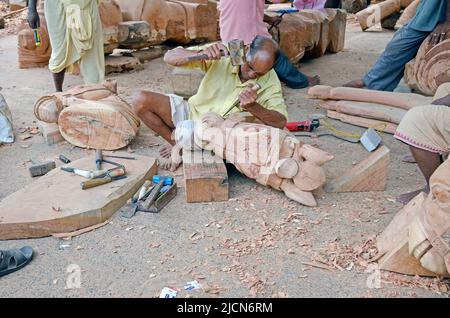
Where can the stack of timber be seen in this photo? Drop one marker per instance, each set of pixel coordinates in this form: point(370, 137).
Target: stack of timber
point(366, 108)
point(430, 68)
point(376, 13)
point(309, 33)
point(134, 25)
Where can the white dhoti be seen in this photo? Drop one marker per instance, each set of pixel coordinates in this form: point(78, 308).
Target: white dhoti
point(76, 36)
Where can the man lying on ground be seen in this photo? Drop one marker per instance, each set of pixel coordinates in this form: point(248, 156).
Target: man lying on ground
point(426, 129)
point(390, 66)
point(222, 85)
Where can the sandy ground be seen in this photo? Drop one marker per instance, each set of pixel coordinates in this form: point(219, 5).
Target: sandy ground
point(253, 245)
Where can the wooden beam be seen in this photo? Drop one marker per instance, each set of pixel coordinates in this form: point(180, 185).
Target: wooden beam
point(205, 176)
point(368, 175)
point(55, 202)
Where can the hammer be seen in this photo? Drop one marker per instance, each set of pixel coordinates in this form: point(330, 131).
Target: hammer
point(236, 50)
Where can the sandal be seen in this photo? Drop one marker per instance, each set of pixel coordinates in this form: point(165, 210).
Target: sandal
point(14, 259)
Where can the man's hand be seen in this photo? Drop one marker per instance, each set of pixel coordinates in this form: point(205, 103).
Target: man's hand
point(248, 98)
point(442, 101)
point(216, 51)
point(439, 33)
point(33, 19)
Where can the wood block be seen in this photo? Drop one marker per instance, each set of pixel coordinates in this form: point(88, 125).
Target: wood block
point(134, 34)
point(368, 175)
point(41, 169)
point(205, 176)
point(51, 133)
point(186, 82)
point(56, 203)
point(363, 122)
point(119, 64)
point(148, 54)
point(370, 110)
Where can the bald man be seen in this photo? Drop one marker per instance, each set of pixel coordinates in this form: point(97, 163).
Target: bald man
point(222, 85)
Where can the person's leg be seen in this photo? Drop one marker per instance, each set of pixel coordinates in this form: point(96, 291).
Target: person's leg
point(58, 80)
point(155, 111)
point(390, 66)
point(292, 77)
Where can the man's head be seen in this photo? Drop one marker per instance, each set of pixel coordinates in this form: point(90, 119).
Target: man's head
point(261, 57)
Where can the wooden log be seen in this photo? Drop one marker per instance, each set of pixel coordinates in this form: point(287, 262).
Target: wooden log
point(368, 175)
point(363, 122)
point(104, 124)
point(320, 92)
point(338, 25)
point(390, 21)
point(149, 54)
point(407, 15)
point(55, 202)
point(134, 34)
point(371, 110)
point(205, 176)
point(376, 13)
point(119, 64)
point(353, 6)
point(111, 16)
point(401, 100)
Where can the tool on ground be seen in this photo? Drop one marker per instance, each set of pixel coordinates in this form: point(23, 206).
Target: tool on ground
point(37, 37)
point(159, 182)
point(40, 169)
point(235, 49)
point(131, 209)
point(166, 195)
point(112, 175)
point(119, 157)
point(306, 125)
point(370, 140)
point(98, 159)
point(255, 87)
point(316, 135)
point(64, 159)
point(86, 173)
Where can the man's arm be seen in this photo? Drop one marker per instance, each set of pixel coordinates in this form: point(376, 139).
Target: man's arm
point(33, 16)
point(180, 56)
point(269, 117)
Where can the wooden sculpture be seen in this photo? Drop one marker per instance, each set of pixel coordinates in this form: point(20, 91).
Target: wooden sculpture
point(90, 116)
point(269, 155)
point(430, 68)
point(417, 241)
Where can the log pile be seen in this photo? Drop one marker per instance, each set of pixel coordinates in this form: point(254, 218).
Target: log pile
point(310, 33)
point(366, 108)
point(430, 68)
point(90, 116)
point(135, 25)
point(376, 13)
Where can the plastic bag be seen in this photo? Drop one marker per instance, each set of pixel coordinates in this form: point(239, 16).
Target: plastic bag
point(6, 128)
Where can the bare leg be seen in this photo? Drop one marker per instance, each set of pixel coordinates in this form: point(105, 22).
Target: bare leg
point(154, 110)
point(428, 162)
point(314, 80)
point(355, 84)
point(58, 79)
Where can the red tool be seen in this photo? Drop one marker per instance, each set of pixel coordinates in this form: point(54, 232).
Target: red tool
point(306, 125)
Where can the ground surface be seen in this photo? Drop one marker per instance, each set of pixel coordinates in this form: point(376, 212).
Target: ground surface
point(257, 244)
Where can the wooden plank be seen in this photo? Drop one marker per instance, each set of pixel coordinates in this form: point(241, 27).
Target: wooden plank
point(206, 178)
point(55, 202)
point(371, 110)
point(363, 122)
point(368, 175)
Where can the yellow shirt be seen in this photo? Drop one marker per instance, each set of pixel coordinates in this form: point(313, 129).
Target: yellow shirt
point(221, 86)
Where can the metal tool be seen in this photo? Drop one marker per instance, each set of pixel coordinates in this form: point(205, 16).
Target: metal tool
point(98, 159)
point(131, 209)
point(64, 159)
point(119, 157)
point(37, 37)
point(306, 125)
point(111, 175)
point(166, 195)
point(255, 87)
point(236, 49)
point(159, 182)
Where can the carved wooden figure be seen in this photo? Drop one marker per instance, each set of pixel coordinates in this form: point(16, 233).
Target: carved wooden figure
point(417, 241)
point(269, 155)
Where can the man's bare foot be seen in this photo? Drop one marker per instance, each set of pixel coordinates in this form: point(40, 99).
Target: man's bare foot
point(409, 159)
point(166, 151)
point(169, 165)
point(313, 81)
point(355, 84)
point(406, 197)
